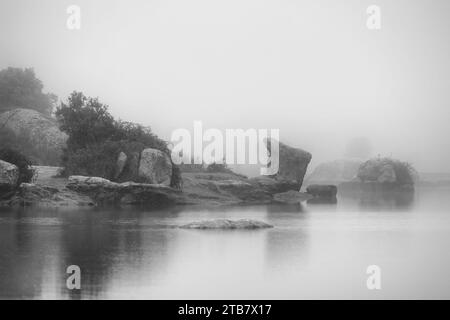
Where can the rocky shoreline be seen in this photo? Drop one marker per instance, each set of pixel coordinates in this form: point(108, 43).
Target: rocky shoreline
point(211, 189)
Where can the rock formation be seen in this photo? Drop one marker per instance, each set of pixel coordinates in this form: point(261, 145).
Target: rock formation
point(386, 171)
point(105, 192)
point(293, 163)
point(9, 176)
point(41, 135)
point(155, 167)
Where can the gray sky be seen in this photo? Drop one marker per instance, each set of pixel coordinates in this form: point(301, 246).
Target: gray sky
point(310, 68)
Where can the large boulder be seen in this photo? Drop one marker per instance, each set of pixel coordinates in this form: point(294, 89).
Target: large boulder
point(39, 135)
point(9, 176)
point(335, 172)
point(155, 167)
point(293, 163)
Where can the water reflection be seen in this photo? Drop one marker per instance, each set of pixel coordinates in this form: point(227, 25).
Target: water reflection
point(383, 200)
point(137, 253)
point(322, 201)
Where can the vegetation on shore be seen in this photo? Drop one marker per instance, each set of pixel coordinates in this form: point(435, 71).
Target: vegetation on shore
point(96, 138)
point(387, 170)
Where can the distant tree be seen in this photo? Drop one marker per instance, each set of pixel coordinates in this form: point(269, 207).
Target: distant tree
point(19, 88)
point(85, 120)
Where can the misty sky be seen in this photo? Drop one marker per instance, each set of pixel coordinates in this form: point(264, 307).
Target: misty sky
point(310, 68)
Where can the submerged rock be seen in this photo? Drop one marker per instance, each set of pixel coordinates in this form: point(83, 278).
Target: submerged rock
point(227, 224)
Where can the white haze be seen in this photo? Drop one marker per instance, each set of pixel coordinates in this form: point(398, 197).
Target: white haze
point(309, 68)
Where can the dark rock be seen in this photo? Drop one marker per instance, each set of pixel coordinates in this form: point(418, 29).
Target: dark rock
point(273, 186)
point(242, 190)
point(291, 197)
point(293, 163)
point(322, 191)
point(227, 224)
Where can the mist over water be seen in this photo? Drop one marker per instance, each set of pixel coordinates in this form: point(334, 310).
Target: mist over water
point(309, 68)
point(314, 251)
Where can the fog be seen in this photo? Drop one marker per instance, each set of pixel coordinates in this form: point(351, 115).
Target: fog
point(309, 68)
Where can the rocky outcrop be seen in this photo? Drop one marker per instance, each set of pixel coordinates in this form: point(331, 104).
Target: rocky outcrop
point(386, 171)
point(9, 177)
point(272, 186)
point(380, 176)
point(322, 191)
point(221, 188)
point(105, 192)
point(227, 224)
point(335, 172)
point(293, 163)
point(150, 166)
point(155, 167)
point(39, 133)
point(30, 194)
point(291, 197)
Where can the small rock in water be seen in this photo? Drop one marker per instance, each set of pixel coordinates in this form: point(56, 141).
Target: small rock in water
point(227, 224)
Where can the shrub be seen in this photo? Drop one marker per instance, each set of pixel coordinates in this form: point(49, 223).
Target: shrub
point(96, 138)
point(372, 169)
point(26, 172)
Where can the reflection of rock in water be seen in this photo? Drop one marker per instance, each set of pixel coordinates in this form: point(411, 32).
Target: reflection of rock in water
point(286, 246)
point(378, 196)
point(322, 201)
point(288, 208)
point(387, 200)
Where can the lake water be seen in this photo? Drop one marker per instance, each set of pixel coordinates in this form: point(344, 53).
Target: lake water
point(314, 251)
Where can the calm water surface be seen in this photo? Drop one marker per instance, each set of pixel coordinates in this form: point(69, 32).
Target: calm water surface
point(314, 251)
